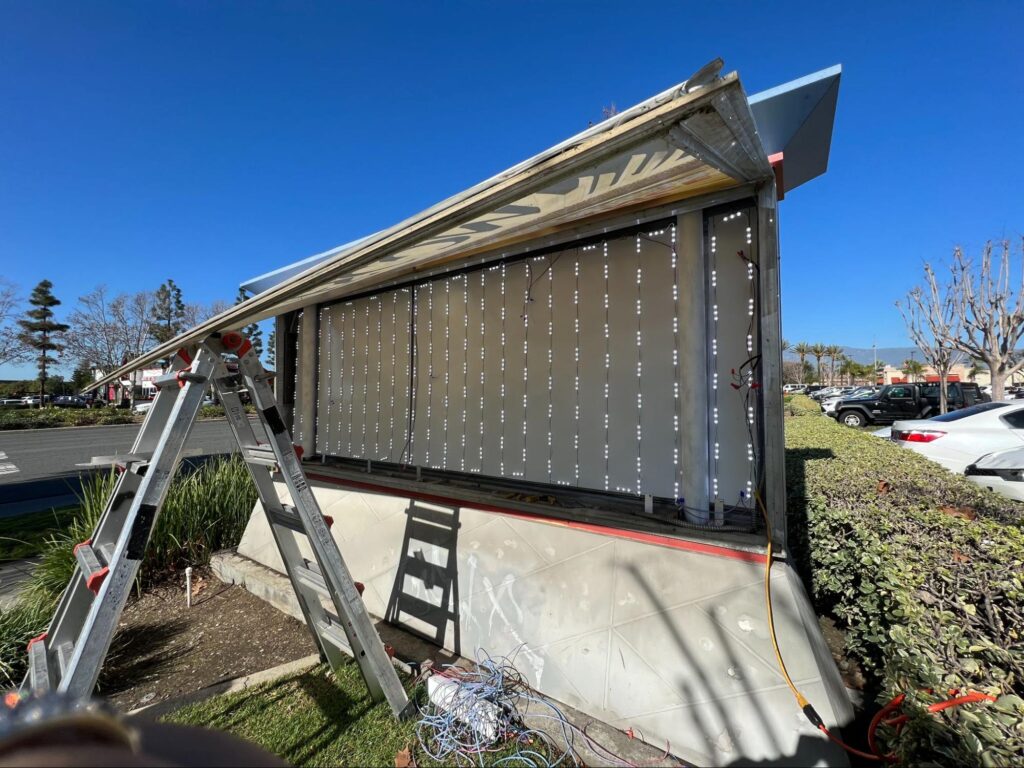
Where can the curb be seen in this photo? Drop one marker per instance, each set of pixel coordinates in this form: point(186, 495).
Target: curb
point(160, 708)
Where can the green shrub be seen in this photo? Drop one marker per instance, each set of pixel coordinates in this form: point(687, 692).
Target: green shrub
point(205, 511)
point(925, 572)
point(801, 405)
point(44, 418)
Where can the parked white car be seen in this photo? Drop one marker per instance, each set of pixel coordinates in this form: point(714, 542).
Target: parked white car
point(961, 437)
point(1000, 471)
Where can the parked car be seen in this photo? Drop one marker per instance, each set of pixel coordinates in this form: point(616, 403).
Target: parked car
point(905, 401)
point(1001, 472)
point(70, 401)
point(828, 404)
point(822, 393)
point(12, 402)
point(792, 389)
point(958, 438)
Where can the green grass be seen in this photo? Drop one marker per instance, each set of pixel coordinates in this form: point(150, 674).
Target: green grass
point(25, 535)
point(312, 719)
point(205, 511)
point(309, 719)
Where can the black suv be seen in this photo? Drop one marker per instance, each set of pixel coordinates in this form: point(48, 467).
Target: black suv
point(906, 401)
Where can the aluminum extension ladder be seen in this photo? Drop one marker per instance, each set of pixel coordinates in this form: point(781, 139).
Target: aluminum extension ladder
point(68, 656)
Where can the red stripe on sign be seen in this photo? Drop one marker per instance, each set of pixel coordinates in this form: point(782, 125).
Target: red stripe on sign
point(713, 550)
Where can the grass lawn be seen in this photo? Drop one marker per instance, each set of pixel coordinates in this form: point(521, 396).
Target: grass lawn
point(308, 719)
point(25, 535)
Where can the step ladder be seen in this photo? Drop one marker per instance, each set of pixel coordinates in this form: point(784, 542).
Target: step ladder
point(68, 656)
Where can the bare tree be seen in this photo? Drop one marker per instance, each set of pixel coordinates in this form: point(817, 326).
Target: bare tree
point(989, 312)
point(107, 332)
point(197, 313)
point(932, 321)
point(12, 349)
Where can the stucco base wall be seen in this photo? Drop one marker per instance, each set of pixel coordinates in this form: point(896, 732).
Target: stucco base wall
point(669, 642)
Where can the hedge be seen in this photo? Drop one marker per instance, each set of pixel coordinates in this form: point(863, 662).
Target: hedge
point(924, 572)
point(42, 418)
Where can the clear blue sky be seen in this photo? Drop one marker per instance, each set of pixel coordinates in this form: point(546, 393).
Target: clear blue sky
point(210, 142)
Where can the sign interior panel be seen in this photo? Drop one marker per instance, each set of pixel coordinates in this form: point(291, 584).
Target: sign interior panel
point(560, 368)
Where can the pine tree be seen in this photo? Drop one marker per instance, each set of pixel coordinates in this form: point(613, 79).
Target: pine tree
point(252, 331)
point(168, 315)
point(40, 331)
point(272, 348)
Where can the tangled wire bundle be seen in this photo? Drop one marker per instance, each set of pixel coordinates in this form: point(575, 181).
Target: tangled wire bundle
point(494, 698)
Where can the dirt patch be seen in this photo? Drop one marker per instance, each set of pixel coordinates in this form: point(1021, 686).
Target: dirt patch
point(835, 638)
point(163, 649)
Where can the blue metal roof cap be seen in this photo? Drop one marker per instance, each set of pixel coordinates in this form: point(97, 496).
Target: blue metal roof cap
point(796, 119)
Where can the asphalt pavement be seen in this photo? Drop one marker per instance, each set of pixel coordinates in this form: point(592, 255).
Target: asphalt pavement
point(38, 467)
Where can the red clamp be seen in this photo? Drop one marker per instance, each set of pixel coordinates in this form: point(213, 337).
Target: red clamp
point(86, 543)
point(299, 450)
point(96, 579)
point(329, 520)
point(231, 339)
point(389, 650)
point(36, 639)
point(360, 587)
point(184, 355)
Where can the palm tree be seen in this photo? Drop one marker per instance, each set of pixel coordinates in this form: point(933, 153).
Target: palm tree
point(786, 346)
point(834, 352)
point(912, 368)
point(819, 351)
point(802, 350)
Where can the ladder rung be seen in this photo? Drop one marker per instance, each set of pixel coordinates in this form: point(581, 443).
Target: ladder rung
point(64, 651)
point(38, 665)
point(128, 458)
point(312, 579)
point(286, 517)
point(93, 570)
point(260, 455)
point(333, 634)
point(177, 378)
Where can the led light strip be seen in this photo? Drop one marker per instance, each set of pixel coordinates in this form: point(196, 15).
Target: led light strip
point(447, 366)
point(607, 361)
point(675, 365)
point(430, 366)
point(465, 367)
point(639, 373)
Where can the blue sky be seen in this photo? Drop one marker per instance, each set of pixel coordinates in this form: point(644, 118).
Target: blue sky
point(210, 142)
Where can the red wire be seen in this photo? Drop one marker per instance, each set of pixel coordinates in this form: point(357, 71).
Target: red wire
point(899, 721)
point(847, 747)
